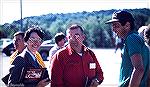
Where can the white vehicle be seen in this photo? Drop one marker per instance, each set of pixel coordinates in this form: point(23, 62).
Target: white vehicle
point(45, 48)
point(6, 46)
point(5, 42)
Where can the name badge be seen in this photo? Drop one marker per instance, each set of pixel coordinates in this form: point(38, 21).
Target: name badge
point(92, 65)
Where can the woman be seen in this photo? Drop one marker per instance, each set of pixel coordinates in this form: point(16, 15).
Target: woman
point(28, 67)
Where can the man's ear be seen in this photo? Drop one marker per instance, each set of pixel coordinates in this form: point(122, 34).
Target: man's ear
point(83, 36)
point(25, 43)
point(67, 37)
point(127, 25)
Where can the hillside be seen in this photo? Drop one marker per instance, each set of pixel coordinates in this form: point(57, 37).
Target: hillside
point(99, 35)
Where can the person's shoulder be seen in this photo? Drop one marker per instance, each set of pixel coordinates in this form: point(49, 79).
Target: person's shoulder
point(135, 37)
point(89, 50)
point(53, 49)
point(60, 51)
point(18, 61)
point(23, 54)
point(20, 58)
point(63, 50)
point(60, 55)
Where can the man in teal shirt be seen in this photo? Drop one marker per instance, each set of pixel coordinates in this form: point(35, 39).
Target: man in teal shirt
point(135, 54)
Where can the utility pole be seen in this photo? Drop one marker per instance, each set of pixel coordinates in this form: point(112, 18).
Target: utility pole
point(21, 16)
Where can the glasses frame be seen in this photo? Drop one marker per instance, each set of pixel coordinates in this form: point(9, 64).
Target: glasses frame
point(34, 40)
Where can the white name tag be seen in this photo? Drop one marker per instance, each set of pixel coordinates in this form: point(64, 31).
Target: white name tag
point(92, 65)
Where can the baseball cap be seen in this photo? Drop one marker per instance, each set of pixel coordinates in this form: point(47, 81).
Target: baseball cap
point(121, 16)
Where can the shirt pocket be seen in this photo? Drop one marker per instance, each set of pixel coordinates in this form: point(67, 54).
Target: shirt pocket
point(73, 70)
point(72, 66)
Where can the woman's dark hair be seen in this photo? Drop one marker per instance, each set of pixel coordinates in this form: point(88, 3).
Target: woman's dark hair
point(35, 29)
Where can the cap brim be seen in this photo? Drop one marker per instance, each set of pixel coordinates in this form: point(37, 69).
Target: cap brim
point(110, 21)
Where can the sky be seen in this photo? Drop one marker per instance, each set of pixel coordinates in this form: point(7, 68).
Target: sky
point(10, 9)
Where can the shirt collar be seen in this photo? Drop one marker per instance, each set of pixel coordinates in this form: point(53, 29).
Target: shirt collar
point(131, 32)
point(31, 54)
point(71, 51)
point(57, 47)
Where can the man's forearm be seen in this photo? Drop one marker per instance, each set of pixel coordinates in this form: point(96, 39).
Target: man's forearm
point(136, 77)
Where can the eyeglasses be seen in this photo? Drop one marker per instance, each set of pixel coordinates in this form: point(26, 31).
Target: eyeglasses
point(76, 36)
point(34, 40)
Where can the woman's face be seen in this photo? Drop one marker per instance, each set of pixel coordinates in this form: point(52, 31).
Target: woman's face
point(34, 42)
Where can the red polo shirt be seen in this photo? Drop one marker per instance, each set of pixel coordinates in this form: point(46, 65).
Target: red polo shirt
point(69, 69)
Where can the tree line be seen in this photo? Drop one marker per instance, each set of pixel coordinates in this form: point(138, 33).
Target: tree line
point(98, 34)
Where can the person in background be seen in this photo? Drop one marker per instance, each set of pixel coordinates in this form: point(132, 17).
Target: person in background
point(28, 68)
point(147, 40)
point(135, 54)
point(19, 44)
point(59, 43)
point(146, 35)
point(119, 44)
point(75, 65)
point(141, 31)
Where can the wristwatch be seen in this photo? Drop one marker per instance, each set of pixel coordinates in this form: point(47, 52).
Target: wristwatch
point(99, 82)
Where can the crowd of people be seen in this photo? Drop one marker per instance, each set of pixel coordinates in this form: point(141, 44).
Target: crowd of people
point(74, 64)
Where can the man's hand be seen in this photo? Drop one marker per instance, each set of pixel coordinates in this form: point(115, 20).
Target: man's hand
point(43, 83)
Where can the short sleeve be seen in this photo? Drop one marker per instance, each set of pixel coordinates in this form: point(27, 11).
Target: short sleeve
point(134, 44)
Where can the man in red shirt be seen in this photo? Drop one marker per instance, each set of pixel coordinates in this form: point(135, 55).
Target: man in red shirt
point(75, 65)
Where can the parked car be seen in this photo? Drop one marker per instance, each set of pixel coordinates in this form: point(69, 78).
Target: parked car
point(9, 49)
point(45, 48)
point(6, 46)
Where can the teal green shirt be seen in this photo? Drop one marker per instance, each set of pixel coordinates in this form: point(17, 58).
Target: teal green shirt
point(134, 44)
